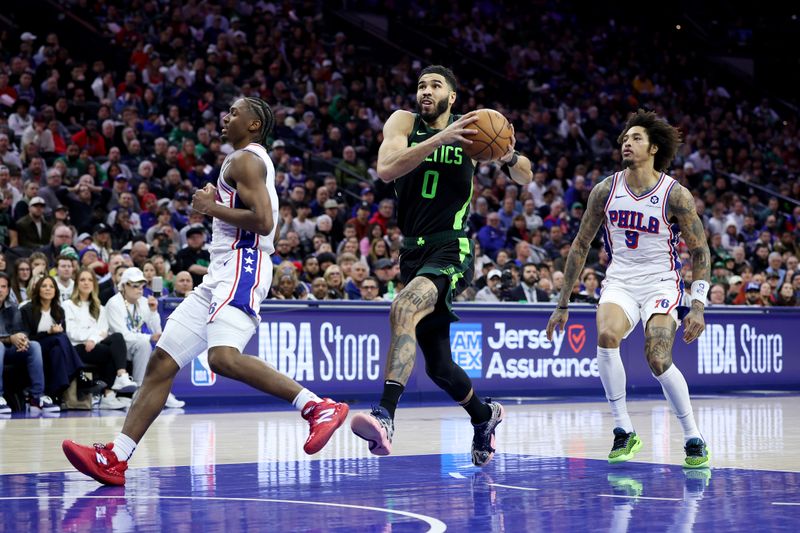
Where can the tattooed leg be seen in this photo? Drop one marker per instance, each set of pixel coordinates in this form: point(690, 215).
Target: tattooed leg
point(414, 302)
point(659, 336)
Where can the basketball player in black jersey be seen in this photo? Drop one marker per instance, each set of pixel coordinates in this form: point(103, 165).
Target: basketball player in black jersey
point(422, 154)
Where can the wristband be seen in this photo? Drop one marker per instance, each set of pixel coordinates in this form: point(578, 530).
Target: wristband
point(559, 307)
point(700, 290)
point(514, 159)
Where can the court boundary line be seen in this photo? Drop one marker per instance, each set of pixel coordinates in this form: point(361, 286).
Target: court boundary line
point(436, 525)
point(512, 487)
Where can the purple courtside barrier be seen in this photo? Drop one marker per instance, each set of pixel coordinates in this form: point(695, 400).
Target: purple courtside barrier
point(339, 349)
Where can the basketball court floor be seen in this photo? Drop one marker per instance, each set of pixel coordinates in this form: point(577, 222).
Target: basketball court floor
point(233, 469)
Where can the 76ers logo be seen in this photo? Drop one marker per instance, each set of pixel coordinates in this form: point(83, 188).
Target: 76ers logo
point(662, 302)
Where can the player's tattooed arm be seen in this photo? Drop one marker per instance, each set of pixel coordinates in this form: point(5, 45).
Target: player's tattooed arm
point(590, 223)
point(412, 304)
point(682, 208)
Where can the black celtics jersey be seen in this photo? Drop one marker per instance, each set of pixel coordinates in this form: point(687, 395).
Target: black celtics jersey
point(435, 196)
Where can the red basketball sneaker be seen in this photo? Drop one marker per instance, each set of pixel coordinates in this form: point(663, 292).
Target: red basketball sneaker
point(98, 462)
point(324, 417)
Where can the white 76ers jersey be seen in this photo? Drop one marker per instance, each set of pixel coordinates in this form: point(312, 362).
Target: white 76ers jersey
point(227, 237)
point(639, 239)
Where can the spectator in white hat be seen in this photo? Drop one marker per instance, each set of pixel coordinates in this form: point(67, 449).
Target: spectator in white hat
point(136, 317)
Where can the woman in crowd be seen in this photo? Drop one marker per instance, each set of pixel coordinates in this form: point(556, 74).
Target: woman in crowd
point(333, 276)
point(163, 269)
point(87, 329)
point(767, 299)
point(285, 285)
point(374, 231)
point(149, 271)
point(19, 280)
point(785, 296)
point(43, 321)
point(377, 250)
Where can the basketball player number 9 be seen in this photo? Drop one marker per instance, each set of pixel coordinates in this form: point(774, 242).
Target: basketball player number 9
point(632, 239)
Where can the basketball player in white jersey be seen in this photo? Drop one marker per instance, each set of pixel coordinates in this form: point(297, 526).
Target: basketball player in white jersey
point(222, 313)
point(643, 213)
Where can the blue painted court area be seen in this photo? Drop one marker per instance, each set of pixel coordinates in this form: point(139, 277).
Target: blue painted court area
point(411, 493)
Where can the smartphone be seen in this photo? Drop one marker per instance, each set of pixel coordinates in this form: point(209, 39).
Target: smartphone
point(158, 285)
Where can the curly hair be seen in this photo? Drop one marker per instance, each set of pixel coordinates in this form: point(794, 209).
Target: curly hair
point(667, 138)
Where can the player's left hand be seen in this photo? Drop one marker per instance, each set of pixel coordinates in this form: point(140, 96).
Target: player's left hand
point(204, 198)
point(510, 153)
point(693, 325)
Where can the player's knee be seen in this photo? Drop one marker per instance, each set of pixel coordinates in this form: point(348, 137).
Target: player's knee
point(161, 365)
point(659, 365)
point(607, 338)
point(221, 360)
point(402, 313)
point(437, 370)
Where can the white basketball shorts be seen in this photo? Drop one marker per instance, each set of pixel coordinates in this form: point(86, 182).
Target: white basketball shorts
point(221, 311)
point(641, 298)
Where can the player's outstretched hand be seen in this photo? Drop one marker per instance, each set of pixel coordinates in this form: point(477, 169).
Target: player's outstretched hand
point(456, 131)
point(204, 198)
point(693, 325)
point(558, 318)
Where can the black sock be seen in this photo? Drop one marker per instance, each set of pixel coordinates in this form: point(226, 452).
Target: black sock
point(392, 391)
point(479, 412)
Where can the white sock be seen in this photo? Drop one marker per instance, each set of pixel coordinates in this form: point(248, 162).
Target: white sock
point(677, 393)
point(612, 374)
point(123, 447)
point(303, 397)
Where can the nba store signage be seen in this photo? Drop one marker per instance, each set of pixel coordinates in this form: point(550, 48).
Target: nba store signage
point(326, 351)
point(340, 348)
point(739, 348)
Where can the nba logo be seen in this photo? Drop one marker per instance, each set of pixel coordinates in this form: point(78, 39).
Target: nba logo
point(466, 343)
point(202, 376)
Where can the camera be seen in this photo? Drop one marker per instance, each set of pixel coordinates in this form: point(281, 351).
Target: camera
point(506, 285)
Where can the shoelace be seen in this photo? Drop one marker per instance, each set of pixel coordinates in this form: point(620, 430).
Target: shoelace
point(620, 441)
point(384, 421)
point(695, 450)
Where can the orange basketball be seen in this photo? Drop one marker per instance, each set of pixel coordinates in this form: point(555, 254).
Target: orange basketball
point(492, 139)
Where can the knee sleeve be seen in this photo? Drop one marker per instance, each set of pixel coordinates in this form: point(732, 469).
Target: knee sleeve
point(439, 365)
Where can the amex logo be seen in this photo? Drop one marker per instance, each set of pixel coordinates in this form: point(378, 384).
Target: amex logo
point(466, 343)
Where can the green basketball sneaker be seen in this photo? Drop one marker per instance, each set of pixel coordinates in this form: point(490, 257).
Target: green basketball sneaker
point(625, 446)
point(625, 485)
point(697, 454)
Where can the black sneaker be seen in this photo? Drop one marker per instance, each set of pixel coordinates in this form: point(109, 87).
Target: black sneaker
point(483, 440)
point(90, 386)
point(377, 428)
point(625, 446)
point(697, 454)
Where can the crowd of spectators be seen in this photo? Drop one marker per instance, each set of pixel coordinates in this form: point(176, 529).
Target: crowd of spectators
point(99, 159)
